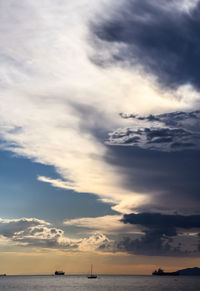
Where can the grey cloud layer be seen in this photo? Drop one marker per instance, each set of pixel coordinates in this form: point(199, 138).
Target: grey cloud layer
point(160, 236)
point(165, 132)
point(168, 223)
point(35, 233)
point(32, 232)
point(158, 35)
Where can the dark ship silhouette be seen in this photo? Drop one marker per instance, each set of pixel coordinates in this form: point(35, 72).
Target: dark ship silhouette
point(59, 273)
point(92, 276)
point(160, 272)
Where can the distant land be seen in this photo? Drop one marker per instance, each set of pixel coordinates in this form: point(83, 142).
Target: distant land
point(184, 272)
point(190, 271)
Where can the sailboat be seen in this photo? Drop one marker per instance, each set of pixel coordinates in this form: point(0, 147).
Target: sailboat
point(92, 276)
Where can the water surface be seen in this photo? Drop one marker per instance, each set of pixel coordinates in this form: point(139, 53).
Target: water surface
point(102, 283)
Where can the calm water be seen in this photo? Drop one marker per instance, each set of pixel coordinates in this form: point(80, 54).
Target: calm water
point(103, 283)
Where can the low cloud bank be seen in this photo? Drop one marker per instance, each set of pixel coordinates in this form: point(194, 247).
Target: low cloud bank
point(35, 233)
point(164, 235)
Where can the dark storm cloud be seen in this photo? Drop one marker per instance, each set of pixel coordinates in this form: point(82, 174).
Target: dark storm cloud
point(163, 221)
point(150, 245)
point(165, 132)
point(159, 155)
point(163, 39)
point(153, 244)
point(160, 234)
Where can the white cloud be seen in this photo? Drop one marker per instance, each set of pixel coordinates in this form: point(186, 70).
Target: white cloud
point(109, 224)
point(57, 183)
point(47, 81)
point(93, 242)
point(186, 5)
point(24, 221)
point(35, 233)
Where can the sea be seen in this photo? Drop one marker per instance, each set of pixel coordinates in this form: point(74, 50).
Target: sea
point(102, 283)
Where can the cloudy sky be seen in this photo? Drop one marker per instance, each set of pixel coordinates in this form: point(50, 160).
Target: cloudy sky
point(99, 135)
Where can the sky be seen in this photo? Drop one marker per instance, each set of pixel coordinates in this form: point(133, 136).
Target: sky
point(99, 136)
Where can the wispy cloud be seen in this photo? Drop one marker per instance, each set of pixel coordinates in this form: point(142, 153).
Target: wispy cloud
point(109, 224)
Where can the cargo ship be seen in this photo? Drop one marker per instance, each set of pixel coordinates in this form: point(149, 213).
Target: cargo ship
point(59, 273)
point(160, 272)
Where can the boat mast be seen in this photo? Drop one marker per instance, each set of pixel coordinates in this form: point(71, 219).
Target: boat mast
point(91, 269)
